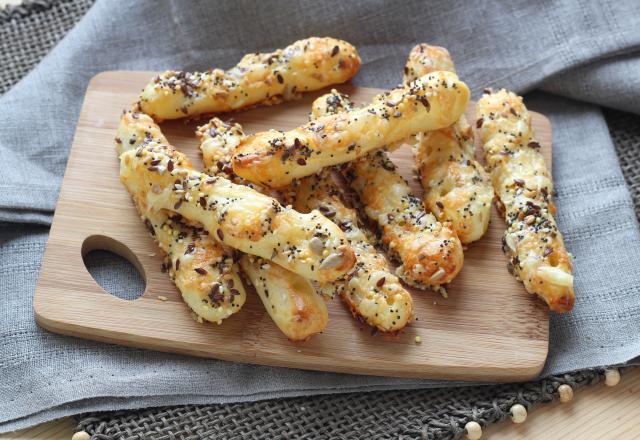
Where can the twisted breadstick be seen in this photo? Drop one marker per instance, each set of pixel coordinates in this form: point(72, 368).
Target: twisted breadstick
point(290, 300)
point(332, 103)
point(202, 269)
point(269, 78)
point(218, 142)
point(456, 187)
point(424, 59)
point(524, 188)
point(372, 292)
point(274, 158)
point(236, 215)
point(430, 252)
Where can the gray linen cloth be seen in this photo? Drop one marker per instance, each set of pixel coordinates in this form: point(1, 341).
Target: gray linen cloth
point(575, 54)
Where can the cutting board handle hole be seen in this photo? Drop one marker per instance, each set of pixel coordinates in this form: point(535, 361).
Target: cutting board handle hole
point(107, 259)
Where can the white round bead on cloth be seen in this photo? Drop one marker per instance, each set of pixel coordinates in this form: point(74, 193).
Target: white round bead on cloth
point(81, 435)
point(565, 392)
point(518, 413)
point(612, 377)
point(474, 430)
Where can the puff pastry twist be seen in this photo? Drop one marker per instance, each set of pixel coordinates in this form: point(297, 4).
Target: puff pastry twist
point(457, 189)
point(201, 268)
point(524, 188)
point(290, 300)
point(236, 215)
point(372, 292)
point(268, 78)
point(430, 252)
point(275, 158)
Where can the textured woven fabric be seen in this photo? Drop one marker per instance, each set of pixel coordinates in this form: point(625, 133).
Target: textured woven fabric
point(421, 414)
point(625, 131)
point(47, 376)
point(29, 31)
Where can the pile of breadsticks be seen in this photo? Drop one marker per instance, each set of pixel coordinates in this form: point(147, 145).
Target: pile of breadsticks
point(271, 208)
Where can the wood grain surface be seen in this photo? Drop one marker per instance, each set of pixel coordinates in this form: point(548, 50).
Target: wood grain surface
point(488, 329)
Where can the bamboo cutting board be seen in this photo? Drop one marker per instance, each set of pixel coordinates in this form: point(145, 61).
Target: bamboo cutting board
point(488, 329)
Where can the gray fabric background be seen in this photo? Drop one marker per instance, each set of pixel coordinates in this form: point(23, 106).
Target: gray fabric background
point(583, 51)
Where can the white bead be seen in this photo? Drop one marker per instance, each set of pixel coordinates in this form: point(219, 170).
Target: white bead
point(518, 413)
point(566, 393)
point(612, 377)
point(474, 430)
point(81, 435)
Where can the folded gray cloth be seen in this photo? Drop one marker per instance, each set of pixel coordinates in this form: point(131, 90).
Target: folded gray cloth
point(586, 52)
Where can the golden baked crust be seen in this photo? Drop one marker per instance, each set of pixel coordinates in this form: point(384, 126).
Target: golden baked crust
point(524, 189)
point(218, 142)
point(430, 252)
point(235, 215)
point(275, 158)
point(370, 290)
point(332, 103)
point(424, 59)
point(290, 300)
point(457, 189)
point(373, 294)
point(269, 78)
point(201, 268)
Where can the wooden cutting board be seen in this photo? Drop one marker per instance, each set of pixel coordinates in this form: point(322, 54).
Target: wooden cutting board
point(488, 329)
